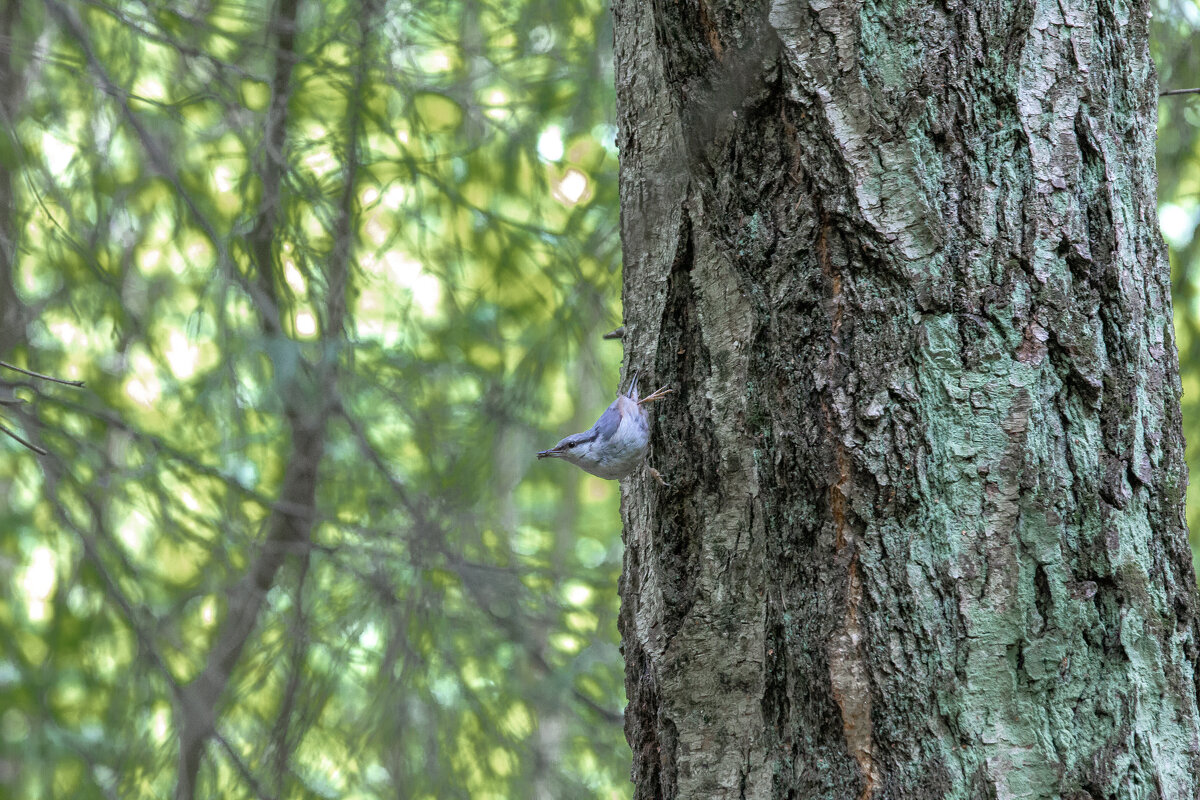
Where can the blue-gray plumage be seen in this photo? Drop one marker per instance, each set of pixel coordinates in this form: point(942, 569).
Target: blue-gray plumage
point(616, 444)
point(608, 423)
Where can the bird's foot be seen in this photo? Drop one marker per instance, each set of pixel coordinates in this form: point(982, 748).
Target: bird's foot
point(657, 394)
point(655, 474)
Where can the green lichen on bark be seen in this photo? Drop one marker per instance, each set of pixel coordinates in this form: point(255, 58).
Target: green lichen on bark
point(924, 535)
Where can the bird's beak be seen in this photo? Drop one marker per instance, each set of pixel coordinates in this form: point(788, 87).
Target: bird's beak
point(551, 453)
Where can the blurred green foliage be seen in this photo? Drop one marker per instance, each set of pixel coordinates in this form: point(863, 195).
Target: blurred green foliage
point(1175, 34)
point(442, 257)
point(449, 628)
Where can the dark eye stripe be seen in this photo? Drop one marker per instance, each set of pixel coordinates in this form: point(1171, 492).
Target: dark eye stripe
point(591, 438)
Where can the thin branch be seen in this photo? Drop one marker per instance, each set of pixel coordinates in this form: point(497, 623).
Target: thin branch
point(241, 767)
point(128, 609)
point(30, 445)
point(58, 472)
point(179, 45)
point(32, 374)
point(515, 632)
point(283, 734)
point(158, 158)
point(1179, 91)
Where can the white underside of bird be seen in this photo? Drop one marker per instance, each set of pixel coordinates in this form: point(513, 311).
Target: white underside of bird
point(617, 443)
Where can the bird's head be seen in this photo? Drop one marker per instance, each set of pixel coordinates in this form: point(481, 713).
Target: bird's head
point(617, 443)
point(574, 448)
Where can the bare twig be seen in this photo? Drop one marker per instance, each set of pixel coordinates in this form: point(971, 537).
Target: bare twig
point(1179, 91)
point(241, 767)
point(32, 374)
point(30, 445)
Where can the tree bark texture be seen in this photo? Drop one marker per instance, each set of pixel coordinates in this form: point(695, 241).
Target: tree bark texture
point(924, 534)
point(13, 313)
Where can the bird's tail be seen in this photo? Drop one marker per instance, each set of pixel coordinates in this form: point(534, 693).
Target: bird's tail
point(633, 394)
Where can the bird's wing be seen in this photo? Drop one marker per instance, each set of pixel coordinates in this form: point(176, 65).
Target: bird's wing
point(609, 421)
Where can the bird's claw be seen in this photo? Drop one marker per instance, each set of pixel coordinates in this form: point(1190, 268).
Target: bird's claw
point(657, 394)
point(655, 474)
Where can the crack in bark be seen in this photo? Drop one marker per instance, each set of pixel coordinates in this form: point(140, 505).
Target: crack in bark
point(847, 663)
point(711, 33)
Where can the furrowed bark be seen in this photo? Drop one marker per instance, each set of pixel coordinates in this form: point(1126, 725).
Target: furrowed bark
point(924, 534)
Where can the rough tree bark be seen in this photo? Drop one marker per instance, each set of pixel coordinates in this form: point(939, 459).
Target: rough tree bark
point(13, 313)
point(924, 535)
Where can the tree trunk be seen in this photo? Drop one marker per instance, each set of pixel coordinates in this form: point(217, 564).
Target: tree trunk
point(924, 534)
point(13, 314)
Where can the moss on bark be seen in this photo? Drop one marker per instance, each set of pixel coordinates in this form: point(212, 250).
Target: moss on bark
point(924, 535)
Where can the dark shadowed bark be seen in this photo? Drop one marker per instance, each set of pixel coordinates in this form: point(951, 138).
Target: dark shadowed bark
point(924, 535)
point(12, 311)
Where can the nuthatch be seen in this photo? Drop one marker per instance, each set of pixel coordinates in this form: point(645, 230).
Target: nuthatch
point(616, 444)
